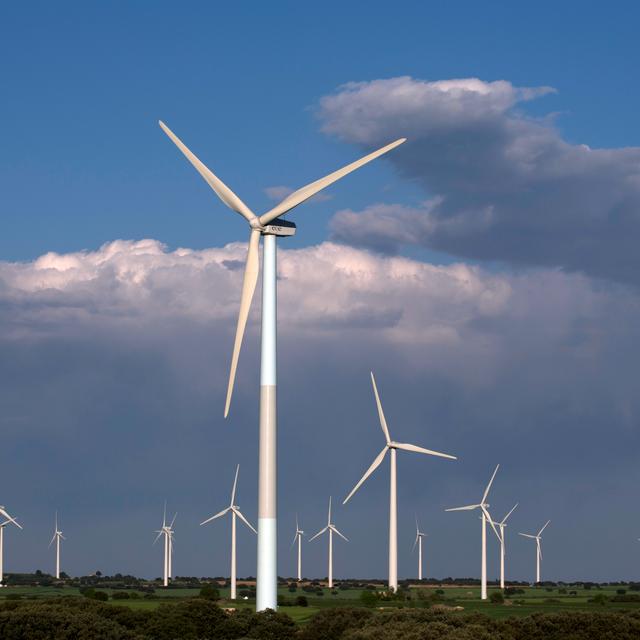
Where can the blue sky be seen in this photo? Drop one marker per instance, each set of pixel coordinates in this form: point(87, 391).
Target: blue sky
point(84, 84)
point(487, 271)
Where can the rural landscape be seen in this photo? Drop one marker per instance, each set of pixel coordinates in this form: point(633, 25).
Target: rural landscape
point(319, 321)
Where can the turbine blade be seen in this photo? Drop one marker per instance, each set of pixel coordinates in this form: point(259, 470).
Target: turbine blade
point(164, 515)
point(251, 271)
point(415, 542)
point(490, 519)
point(383, 422)
point(319, 533)
point(470, 507)
point(539, 547)
point(294, 540)
point(526, 535)
point(413, 447)
point(218, 515)
point(9, 518)
point(222, 191)
point(336, 531)
point(486, 491)
point(508, 514)
point(175, 515)
point(237, 512)
point(304, 193)
point(543, 528)
point(329, 516)
point(374, 465)
point(52, 539)
point(235, 482)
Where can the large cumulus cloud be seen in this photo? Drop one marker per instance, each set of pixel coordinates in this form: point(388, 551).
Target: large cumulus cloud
point(501, 185)
point(113, 365)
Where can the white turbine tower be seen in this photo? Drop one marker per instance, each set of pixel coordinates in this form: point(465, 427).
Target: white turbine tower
point(166, 530)
point(298, 538)
point(391, 446)
point(235, 512)
point(418, 543)
point(483, 505)
point(331, 528)
point(538, 539)
point(9, 520)
point(57, 537)
point(270, 226)
point(503, 546)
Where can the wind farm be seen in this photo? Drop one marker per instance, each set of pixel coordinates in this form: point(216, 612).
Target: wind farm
point(382, 259)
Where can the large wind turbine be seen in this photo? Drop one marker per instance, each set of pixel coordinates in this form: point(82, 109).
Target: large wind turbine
point(57, 537)
point(166, 530)
point(483, 505)
point(270, 225)
point(9, 520)
point(391, 446)
point(418, 542)
point(298, 538)
point(538, 539)
point(503, 546)
point(235, 511)
point(331, 528)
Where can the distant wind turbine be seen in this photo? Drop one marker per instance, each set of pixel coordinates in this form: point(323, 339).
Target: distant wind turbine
point(503, 547)
point(418, 542)
point(9, 520)
point(331, 528)
point(57, 537)
point(538, 539)
point(391, 447)
point(235, 512)
point(483, 505)
point(298, 538)
point(167, 532)
point(269, 226)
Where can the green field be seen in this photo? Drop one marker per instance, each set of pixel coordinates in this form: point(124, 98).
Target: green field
point(540, 599)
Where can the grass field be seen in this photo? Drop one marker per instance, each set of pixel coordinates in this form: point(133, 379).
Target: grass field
point(541, 599)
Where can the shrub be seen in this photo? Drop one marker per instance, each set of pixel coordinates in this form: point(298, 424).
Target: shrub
point(599, 598)
point(209, 592)
point(120, 595)
point(496, 597)
point(621, 592)
point(368, 598)
point(301, 601)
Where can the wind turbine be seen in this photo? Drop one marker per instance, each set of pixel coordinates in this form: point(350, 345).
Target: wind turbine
point(483, 505)
point(538, 539)
point(298, 538)
point(9, 520)
point(503, 548)
point(418, 542)
point(167, 531)
point(235, 512)
point(331, 528)
point(391, 446)
point(270, 226)
point(57, 536)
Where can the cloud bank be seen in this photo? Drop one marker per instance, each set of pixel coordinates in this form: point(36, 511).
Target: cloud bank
point(501, 185)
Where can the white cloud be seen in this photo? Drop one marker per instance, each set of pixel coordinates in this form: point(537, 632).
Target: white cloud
point(509, 187)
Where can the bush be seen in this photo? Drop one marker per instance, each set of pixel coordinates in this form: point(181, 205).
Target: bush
point(301, 601)
point(209, 592)
point(368, 598)
point(599, 598)
point(120, 595)
point(496, 597)
point(621, 592)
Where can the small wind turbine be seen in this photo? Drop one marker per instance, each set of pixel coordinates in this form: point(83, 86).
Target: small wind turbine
point(57, 536)
point(9, 520)
point(235, 511)
point(269, 225)
point(483, 505)
point(503, 546)
point(418, 542)
point(391, 446)
point(538, 539)
point(331, 528)
point(298, 538)
point(167, 531)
